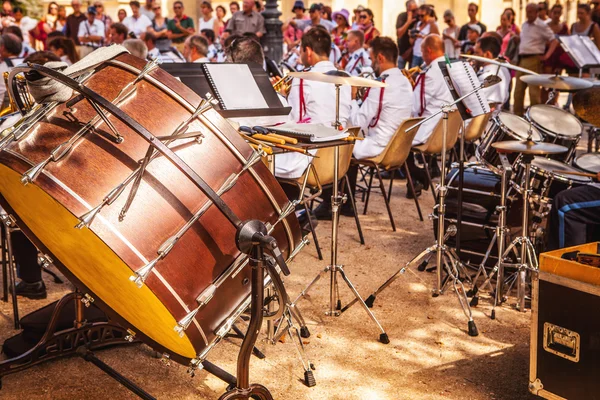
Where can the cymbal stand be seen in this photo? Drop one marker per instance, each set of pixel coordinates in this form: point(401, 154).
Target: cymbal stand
point(446, 257)
point(335, 304)
point(501, 231)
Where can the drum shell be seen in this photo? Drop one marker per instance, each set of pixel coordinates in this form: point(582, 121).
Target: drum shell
point(165, 201)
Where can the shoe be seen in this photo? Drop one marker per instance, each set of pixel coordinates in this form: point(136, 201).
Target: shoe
point(323, 211)
point(346, 210)
point(35, 290)
point(399, 174)
point(418, 190)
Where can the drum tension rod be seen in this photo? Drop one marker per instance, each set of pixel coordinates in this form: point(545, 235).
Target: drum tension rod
point(64, 148)
point(204, 106)
point(143, 273)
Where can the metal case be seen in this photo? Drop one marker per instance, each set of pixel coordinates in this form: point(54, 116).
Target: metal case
point(565, 329)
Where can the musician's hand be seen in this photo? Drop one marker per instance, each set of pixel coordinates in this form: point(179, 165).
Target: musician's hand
point(354, 92)
point(598, 176)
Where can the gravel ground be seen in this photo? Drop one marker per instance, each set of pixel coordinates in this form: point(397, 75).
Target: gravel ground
point(430, 355)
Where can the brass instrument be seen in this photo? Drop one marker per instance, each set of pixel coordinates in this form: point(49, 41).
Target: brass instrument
point(411, 74)
point(23, 91)
point(283, 85)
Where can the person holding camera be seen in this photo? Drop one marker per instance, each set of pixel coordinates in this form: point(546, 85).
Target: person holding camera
point(405, 22)
point(424, 27)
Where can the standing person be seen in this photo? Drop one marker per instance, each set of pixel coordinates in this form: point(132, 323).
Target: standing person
point(73, 21)
point(44, 27)
point(450, 35)
point(291, 33)
point(535, 36)
point(121, 15)
point(506, 31)
point(356, 17)
point(136, 23)
point(196, 49)
point(424, 27)
point(91, 33)
point(180, 26)
point(148, 9)
point(326, 13)
point(357, 58)
point(247, 20)
point(543, 11)
point(315, 18)
point(103, 16)
point(206, 20)
point(512, 15)
point(368, 26)
point(595, 4)
point(340, 32)
point(234, 7)
point(585, 26)
point(404, 23)
point(61, 19)
point(210, 37)
point(472, 10)
point(220, 23)
point(473, 34)
point(159, 30)
point(553, 64)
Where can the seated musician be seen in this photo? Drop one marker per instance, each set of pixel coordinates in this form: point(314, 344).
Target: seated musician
point(429, 95)
point(489, 47)
point(379, 114)
point(10, 47)
point(575, 217)
point(356, 58)
point(312, 102)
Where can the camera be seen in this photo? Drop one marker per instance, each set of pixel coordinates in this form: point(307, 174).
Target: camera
point(413, 32)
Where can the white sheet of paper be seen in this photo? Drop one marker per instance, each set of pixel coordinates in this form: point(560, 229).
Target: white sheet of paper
point(465, 80)
point(237, 87)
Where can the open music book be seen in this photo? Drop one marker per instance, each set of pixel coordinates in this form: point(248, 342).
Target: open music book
point(309, 132)
point(581, 49)
point(462, 79)
point(234, 86)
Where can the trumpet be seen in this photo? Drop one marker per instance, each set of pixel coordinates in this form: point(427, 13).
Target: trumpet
point(362, 91)
point(411, 73)
point(283, 85)
point(22, 91)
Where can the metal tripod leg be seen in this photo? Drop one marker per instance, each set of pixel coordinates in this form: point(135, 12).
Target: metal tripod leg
point(451, 269)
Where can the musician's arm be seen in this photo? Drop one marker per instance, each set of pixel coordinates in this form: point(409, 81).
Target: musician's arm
point(363, 115)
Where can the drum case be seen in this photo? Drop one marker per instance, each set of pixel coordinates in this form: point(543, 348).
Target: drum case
point(565, 328)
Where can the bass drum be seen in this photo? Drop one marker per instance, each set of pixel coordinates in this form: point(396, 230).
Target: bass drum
point(502, 127)
point(481, 196)
point(201, 276)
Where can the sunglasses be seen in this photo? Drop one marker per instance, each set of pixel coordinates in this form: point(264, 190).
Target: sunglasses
point(363, 17)
point(177, 7)
point(156, 8)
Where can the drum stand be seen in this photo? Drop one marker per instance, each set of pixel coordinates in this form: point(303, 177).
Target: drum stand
point(335, 303)
point(445, 256)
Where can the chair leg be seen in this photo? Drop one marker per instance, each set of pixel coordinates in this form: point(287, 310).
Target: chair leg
point(368, 190)
point(353, 204)
point(385, 198)
point(429, 177)
point(412, 188)
point(314, 234)
point(391, 183)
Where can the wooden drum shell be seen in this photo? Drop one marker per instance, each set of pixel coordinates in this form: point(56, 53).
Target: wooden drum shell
point(100, 259)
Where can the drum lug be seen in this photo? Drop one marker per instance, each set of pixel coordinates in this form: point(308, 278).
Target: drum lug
point(186, 321)
point(297, 250)
point(131, 337)
point(166, 359)
point(45, 261)
point(195, 365)
point(87, 300)
point(206, 295)
point(143, 273)
point(34, 172)
point(8, 220)
point(86, 219)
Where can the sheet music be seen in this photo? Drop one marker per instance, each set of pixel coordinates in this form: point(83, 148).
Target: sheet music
point(236, 86)
point(312, 132)
point(581, 49)
point(465, 80)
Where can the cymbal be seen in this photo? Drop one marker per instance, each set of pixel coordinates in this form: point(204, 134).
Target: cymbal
point(337, 78)
point(587, 105)
point(562, 83)
point(500, 62)
point(529, 147)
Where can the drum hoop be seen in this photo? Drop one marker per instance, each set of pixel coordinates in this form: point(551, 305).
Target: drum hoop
point(553, 175)
point(511, 132)
point(552, 133)
point(223, 138)
point(586, 155)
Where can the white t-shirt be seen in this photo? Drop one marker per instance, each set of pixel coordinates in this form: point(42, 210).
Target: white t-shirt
point(202, 24)
point(137, 26)
point(94, 29)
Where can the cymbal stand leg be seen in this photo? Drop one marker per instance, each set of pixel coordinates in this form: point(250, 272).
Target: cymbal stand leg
point(4, 265)
point(7, 225)
point(459, 289)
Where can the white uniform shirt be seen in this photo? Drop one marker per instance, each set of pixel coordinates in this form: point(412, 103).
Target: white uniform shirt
point(435, 94)
point(359, 59)
point(335, 54)
point(94, 29)
point(320, 102)
point(534, 37)
point(498, 93)
point(137, 26)
point(379, 117)
point(202, 60)
point(154, 54)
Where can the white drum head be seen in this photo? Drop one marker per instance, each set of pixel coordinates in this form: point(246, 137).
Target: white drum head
point(589, 162)
point(550, 166)
point(518, 127)
point(555, 120)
